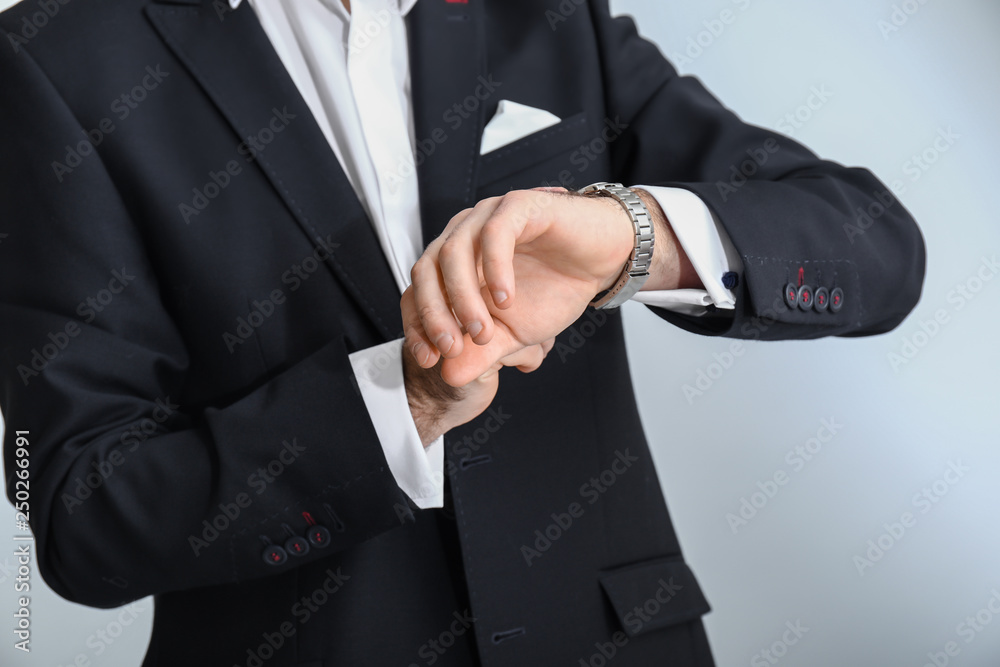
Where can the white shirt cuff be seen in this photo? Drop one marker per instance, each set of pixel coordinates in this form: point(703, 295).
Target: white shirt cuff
point(419, 472)
point(707, 246)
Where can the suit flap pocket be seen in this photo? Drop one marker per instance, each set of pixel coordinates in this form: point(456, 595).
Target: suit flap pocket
point(534, 148)
point(654, 594)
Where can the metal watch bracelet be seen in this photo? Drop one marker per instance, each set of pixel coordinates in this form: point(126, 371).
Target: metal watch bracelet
point(636, 270)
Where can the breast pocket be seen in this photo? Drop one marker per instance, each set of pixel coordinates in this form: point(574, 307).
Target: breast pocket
point(534, 158)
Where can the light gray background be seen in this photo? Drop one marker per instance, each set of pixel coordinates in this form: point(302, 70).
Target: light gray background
point(901, 428)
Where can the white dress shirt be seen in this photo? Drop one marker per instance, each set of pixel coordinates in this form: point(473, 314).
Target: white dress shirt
point(352, 69)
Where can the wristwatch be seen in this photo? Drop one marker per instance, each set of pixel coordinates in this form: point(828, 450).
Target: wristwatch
point(636, 270)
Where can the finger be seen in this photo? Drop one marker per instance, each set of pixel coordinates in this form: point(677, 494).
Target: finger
point(498, 239)
point(433, 311)
point(459, 271)
point(477, 359)
point(425, 281)
point(490, 373)
point(416, 342)
point(548, 345)
point(527, 359)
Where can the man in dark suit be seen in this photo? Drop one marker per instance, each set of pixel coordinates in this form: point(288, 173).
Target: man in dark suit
point(192, 267)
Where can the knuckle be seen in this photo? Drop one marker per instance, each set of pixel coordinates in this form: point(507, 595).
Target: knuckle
point(493, 229)
point(494, 266)
point(458, 217)
point(484, 204)
point(427, 314)
point(413, 334)
point(449, 249)
point(508, 203)
point(465, 306)
point(514, 197)
point(459, 303)
point(517, 205)
point(417, 270)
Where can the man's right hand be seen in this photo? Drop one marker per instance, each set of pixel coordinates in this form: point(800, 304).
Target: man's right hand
point(437, 407)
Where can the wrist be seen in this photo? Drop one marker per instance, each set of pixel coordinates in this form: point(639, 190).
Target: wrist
point(429, 398)
point(670, 267)
point(621, 245)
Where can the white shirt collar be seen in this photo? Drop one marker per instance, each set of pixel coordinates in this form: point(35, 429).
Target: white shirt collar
point(404, 5)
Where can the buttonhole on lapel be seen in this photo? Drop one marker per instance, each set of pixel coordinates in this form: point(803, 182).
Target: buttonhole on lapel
point(507, 634)
point(467, 463)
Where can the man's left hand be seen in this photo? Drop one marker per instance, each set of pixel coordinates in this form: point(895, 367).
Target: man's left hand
point(517, 270)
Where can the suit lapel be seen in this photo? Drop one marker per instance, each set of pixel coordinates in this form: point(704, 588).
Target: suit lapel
point(447, 65)
point(233, 60)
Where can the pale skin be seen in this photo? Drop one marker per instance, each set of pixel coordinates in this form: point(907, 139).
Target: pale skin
point(503, 279)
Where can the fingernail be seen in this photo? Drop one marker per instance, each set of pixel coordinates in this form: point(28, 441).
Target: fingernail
point(420, 353)
point(444, 342)
point(474, 328)
point(499, 296)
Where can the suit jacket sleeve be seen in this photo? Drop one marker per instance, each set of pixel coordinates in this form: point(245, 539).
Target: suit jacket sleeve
point(795, 211)
point(131, 494)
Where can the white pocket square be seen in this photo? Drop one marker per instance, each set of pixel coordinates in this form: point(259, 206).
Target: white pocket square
point(514, 121)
